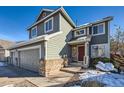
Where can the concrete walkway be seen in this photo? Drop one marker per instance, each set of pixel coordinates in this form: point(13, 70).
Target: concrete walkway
point(57, 80)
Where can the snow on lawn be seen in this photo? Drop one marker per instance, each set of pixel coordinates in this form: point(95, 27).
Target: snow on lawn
point(107, 78)
point(2, 64)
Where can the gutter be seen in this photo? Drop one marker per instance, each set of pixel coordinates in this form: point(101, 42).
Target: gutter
point(36, 39)
point(92, 23)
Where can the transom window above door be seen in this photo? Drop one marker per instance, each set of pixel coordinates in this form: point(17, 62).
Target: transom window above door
point(98, 29)
point(80, 32)
point(48, 25)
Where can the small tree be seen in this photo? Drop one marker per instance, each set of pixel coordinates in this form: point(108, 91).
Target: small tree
point(118, 37)
point(117, 42)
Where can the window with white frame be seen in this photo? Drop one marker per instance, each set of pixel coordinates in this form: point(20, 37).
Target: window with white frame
point(48, 26)
point(34, 32)
point(74, 53)
point(98, 29)
point(98, 51)
point(80, 32)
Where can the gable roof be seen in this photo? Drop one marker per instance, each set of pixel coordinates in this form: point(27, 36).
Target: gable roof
point(43, 10)
point(61, 10)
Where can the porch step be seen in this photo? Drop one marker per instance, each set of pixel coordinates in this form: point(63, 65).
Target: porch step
point(75, 64)
point(73, 70)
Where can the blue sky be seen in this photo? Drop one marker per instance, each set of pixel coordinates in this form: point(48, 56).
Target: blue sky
point(15, 20)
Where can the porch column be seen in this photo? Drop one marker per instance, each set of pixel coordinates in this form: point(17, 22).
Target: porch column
point(86, 56)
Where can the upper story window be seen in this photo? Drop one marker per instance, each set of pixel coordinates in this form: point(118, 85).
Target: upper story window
point(98, 29)
point(34, 32)
point(80, 32)
point(48, 25)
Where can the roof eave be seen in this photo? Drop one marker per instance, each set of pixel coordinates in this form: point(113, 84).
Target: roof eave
point(92, 23)
point(61, 10)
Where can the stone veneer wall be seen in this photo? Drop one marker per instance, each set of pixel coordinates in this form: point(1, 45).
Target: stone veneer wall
point(50, 67)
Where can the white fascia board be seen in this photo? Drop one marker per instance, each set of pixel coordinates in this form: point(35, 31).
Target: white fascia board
point(42, 11)
point(68, 17)
point(62, 9)
point(44, 18)
point(37, 39)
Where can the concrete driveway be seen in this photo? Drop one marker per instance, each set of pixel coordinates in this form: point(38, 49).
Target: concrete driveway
point(12, 76)
point(12, 71)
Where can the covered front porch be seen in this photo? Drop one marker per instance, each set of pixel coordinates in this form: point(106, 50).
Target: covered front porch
point(80, 51)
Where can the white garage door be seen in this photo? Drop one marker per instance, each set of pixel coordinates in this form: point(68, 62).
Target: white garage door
point(29, 59)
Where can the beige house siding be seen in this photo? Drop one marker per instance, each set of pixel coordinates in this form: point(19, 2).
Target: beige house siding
point(56, 46)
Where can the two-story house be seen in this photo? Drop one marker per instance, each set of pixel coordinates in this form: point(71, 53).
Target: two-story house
point(54, 39)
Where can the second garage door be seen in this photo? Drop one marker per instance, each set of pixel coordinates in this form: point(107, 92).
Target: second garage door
point(29, 59)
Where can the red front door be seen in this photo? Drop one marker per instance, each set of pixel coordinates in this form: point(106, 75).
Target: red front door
point(81, 50)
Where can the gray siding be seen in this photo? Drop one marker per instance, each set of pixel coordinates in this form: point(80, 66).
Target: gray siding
point(40, 26)
point(47, 13)
point(57, 46)
point(100, 39)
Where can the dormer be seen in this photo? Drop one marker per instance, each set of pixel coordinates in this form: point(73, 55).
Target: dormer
point(44, 13)
point(50, 23)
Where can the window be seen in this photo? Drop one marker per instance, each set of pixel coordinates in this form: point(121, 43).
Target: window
point(98, 51)
point(95, 29)
point(34, 32)
point(80, 32)
point(74, 53)
point(48, 25)
point(98, 29)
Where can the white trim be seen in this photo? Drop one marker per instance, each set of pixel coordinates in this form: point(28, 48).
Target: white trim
point(88, 30)
point(45, 46)
point(80, 34)
point(76, 54)
point(109, 37)
point(49, 10)
point(29, 48)
point(62, 9)
point(36, 32)
point(68, 17)
point(93, 23)
point(45, 25)
point(54, 34)
point(106, 49)
point(37, 39)
point(98, 29)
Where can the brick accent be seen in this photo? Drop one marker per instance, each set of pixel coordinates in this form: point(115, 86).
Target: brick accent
point(50, 67)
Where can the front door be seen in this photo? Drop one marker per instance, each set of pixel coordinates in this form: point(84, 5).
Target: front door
point(81, 51)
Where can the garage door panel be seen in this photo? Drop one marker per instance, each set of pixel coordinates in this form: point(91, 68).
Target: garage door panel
point(29, 59)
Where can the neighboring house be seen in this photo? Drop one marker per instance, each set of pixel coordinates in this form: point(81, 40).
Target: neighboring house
point(54, 39)
point(4, 52)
